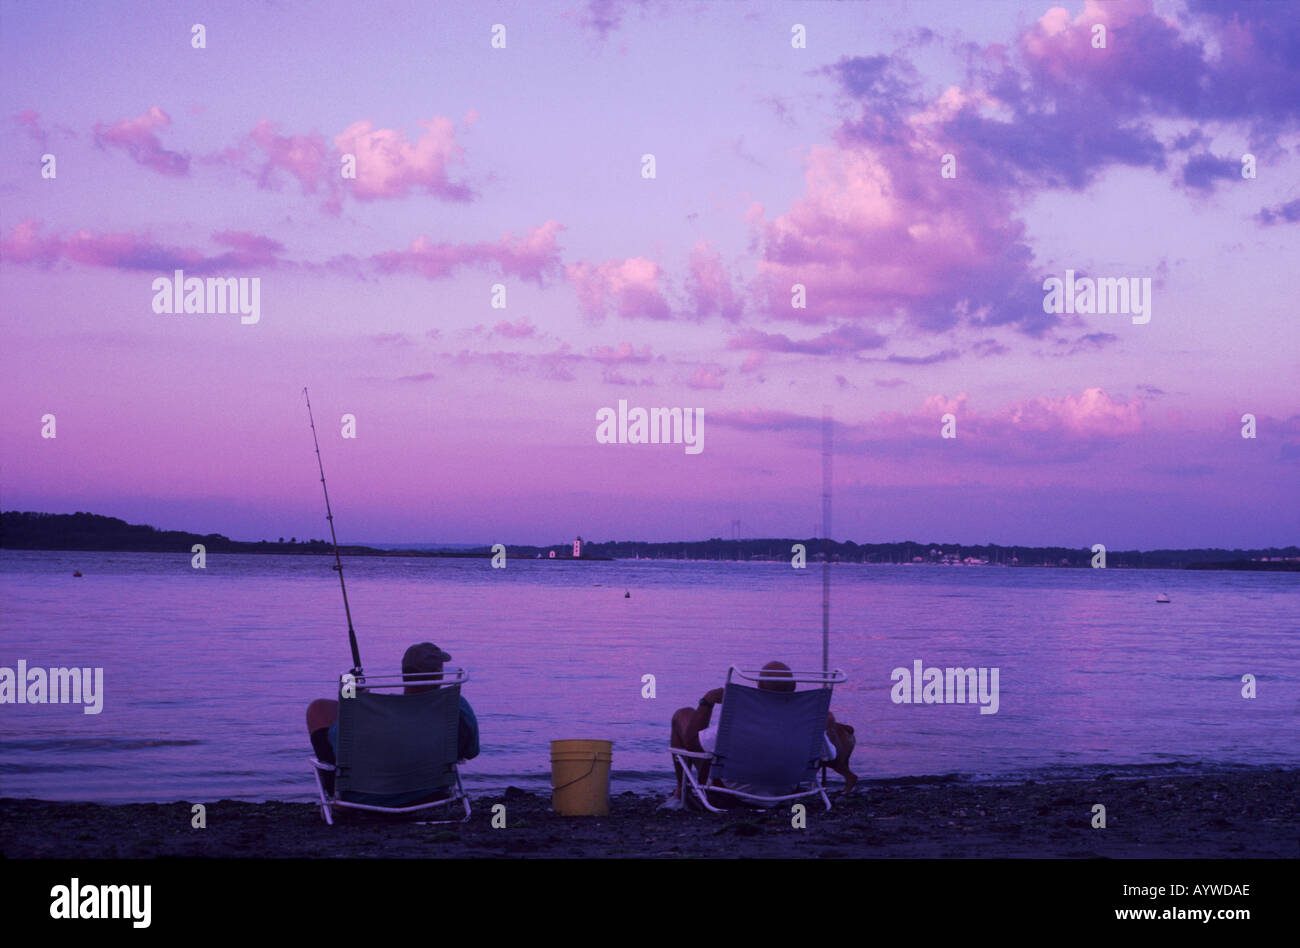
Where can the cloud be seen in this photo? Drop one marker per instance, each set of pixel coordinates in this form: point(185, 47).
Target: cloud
point(624, 353)
point(304, 157)
point(1092, 413)
point(1088, 342)
point(531, 257)
point(1288, 213)
point(1036, 431)
point(136, 252)
point(613, 377)
point(843, 340)
point(1202, 171)
point(989, 347)
point(877, 232)
point(390, 166)
point(556, 365)
point(936, 406)
point(707, 377)
point(632, 288)
point(603, 17)
point(931, 359)
point(708, 286)
point(522, 329)
point(138, 138)
point(391, 339)
point(30, 122)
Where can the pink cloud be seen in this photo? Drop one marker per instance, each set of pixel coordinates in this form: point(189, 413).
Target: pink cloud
point(708, 286)
point(632, 287)
point(305, 157)
point(1092, 413)
point(390, 166)
point(707, 377)
point(1060, 47)
point(136, 252)
point(522, 329)
point(938, 405)
point(138, 138)
point(625, 353)
point(387, 164)
point(25, 244)
point(878, 231)
point(30, 121)
point(842, 340)
point(531, 257)
point(556, 366)
point(391, 339)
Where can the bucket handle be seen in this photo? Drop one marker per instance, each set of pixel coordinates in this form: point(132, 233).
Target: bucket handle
point(576, 779)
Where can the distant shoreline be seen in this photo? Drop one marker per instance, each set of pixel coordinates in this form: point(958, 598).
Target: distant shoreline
point(1228, 566)
point(91, 533)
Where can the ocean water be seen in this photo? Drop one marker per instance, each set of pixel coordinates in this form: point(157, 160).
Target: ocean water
point(207, 673)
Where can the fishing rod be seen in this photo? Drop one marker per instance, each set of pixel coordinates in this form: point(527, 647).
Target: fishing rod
point(338, 562)
point(826, 538)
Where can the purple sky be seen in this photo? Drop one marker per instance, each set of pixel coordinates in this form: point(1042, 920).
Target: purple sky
point(775, 165)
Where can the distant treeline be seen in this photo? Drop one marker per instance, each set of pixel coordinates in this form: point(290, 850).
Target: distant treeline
point(25, 530)
point(87, 531)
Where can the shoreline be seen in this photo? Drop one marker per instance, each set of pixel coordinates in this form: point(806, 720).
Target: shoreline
point(1229, 566)
point(1252, 814)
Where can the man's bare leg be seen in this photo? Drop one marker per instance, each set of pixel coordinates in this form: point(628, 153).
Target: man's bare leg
point(842, 737)
point(681, 718)
point(321, 713)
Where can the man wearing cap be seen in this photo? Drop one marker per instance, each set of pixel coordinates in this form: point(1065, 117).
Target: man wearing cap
point(422, 662)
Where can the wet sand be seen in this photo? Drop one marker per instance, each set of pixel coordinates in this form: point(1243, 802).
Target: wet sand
point(1237, 815)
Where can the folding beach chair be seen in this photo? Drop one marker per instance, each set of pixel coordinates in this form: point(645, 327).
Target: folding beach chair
point(396, 744)
point(767, 739)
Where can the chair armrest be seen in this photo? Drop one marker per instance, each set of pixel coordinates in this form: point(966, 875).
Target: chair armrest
point(319, 765)
point(682, 752)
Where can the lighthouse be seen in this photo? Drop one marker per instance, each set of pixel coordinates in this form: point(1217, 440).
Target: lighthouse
point(577, 548)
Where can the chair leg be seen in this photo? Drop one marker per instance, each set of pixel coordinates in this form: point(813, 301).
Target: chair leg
point(324, 800)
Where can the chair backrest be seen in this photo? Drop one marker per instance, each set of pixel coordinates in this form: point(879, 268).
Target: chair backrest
point(770, 738)
point(397, 743)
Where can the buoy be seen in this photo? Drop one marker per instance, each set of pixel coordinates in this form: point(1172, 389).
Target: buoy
point(76, 572)
point(627, 594)
point(1162, 598)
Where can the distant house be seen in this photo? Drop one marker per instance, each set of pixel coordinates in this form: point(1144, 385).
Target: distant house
point(577, 548)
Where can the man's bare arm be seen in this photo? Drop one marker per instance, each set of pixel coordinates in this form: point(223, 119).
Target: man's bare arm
point(700, 719)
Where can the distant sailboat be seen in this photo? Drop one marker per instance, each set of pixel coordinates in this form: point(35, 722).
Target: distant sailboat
point(1162, 598)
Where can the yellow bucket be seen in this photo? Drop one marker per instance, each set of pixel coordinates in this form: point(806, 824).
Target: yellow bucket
point(580, 777)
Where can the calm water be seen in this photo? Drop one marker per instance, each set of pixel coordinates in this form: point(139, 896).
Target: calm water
point(207, 672)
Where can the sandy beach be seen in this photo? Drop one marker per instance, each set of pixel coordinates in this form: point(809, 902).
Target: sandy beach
point(1233, 815)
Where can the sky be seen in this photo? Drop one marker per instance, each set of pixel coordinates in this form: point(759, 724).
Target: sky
point(919, 169)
